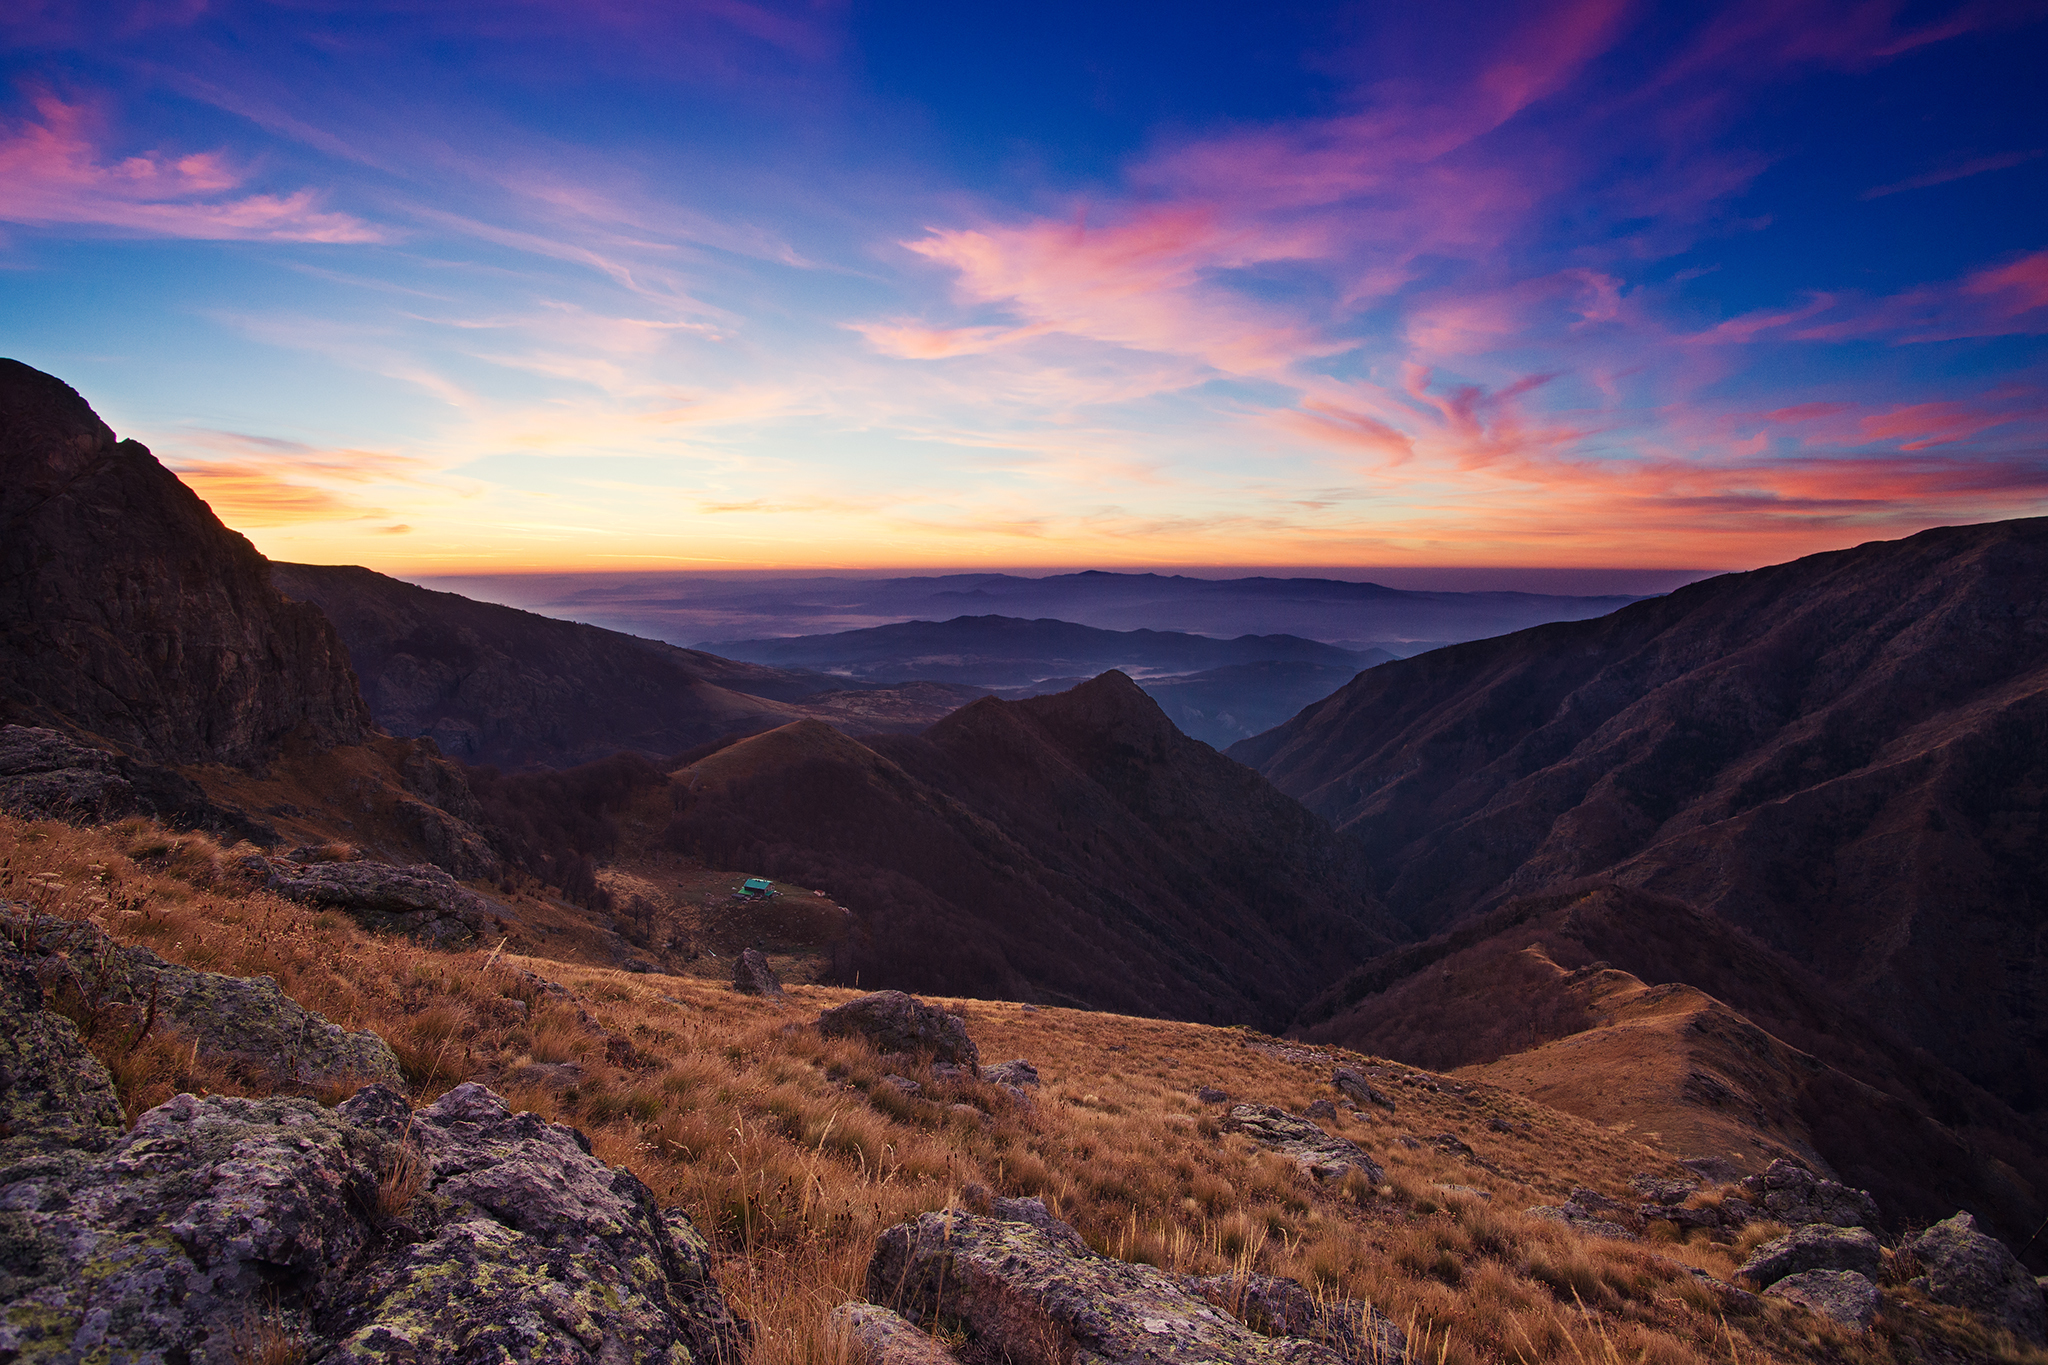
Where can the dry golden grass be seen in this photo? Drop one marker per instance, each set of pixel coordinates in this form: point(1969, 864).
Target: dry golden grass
point(791, 1153)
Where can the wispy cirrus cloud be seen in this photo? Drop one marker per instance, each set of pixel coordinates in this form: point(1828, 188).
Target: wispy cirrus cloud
point(56, 172)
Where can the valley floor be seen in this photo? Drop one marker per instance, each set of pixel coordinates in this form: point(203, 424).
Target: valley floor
point(791, 1151)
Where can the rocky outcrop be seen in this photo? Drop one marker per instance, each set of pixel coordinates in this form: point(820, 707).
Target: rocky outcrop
point(55, 1097)
point(751, 975)
point(1318, 1153)
point(1355, 1086)
point(130, 615)
point(245, 1021)
point(421, 901)
point(367, 1233)
point(1841, 1295)
point(878, 1336)
point(897, 1023)
point(1281, 1307)
point(1966, 1268)
point(45, 775)
point(1014, 1291)
point(1817, 1246)
point(1793, 1195)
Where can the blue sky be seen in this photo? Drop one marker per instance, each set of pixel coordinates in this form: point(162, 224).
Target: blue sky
point(445, 289)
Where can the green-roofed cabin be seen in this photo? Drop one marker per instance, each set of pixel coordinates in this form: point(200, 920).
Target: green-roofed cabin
point(757, 886)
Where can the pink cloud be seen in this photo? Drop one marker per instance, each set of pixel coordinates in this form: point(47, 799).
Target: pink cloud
point(1959, 171)
point(54, 173)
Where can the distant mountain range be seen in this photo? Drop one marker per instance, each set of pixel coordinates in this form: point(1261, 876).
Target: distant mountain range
point(686, 607)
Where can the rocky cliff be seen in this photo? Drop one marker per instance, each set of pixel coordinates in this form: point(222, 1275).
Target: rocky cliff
point(129, 615)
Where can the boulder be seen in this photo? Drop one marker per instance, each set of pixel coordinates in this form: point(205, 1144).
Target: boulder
point(1013, 1074)
point(1817, 1246)
point(1282, 1307)
point(421, 901)
point(751, 975)
point(1018, 1292)
point(55, 1097)
point(1581, 1219)
point(1793, 1195)
point(1972, 1270)
point(1660, 1190)
point(881, 1337)
point(246, 1021)
point(1318, 1153)
point(46, 775)
point(1842, 1295)
point(1322, 1110)
point(895, 1022)
point(1210, 1094)
point(1354, 1084)
point(367, 1233)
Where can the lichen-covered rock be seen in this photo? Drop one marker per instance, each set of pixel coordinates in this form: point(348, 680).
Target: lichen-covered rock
point(1013, 1075)
point(881, 1337)
point(1662, 1190)
point(895, 1022)
point(1972, 1270)
point(247, 1021)
point(1817, 1246)
point(46, 775)
point(1320, 1154)
point(1353, 1083)
point(1793, 1195)
point(1018, 1292)
point(751, 975)
point(1842, 1295)
point(1282, 1307)
point(54, 1095)
point(460, 1233)
point(421, 901)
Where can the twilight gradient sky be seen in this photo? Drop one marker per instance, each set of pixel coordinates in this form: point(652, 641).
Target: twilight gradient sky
point(714, 284)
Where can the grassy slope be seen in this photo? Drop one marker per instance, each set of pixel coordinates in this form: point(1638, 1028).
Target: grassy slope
point(791, 1154)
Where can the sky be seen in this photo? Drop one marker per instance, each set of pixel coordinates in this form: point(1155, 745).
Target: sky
point(718, 285)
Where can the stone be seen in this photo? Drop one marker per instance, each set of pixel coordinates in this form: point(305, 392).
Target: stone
point(902, 1083)
point(1715, 1170)
point(421, 901)
point(246, 1021)
point(1017, 1292)
point(1657, 1189)
point(1469, 1191)
point(1322, 1110)
point(1209, 1094)
point(55, 1097)
point(751, 975)
point(462, 1232)
point(1970, 1269)
point(881, 1337)
point(1844, 1296)
point(45, 775)
point(1793, 1195)
point(1816, 1246)
point(1318, 1153)
point(894, 1022)
point(1280, 1307)
point(1580, 1219)
point(1014, 1073)
point(1032, 1210)
point(949, 1071)
point(1354, 1084)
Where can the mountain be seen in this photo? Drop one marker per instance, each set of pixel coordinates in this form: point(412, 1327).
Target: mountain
point(129, 616)
point(683, 607)
point(1073, 848)
point(497, 685)
point(1844, 756)
point(1649, 1017)
point(1002, 651)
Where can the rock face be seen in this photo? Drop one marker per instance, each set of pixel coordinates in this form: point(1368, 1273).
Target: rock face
point(1843, 1295)
point(1966, 1268)
point(129, 614)
point(751, 975)
point(899, 1023)
point(45, 775)
point(1793, 1195)
point(422, 901)
point(1019, 1292)
point(244, 1020)
point(364, 1234)
point(1817, 1246)
point(1320, 1154)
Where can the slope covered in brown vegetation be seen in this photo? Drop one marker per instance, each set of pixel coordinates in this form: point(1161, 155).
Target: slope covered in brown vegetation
point(791, 1151)
point(1075, 848)
point(1845, 756)
point(1645, 1015)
